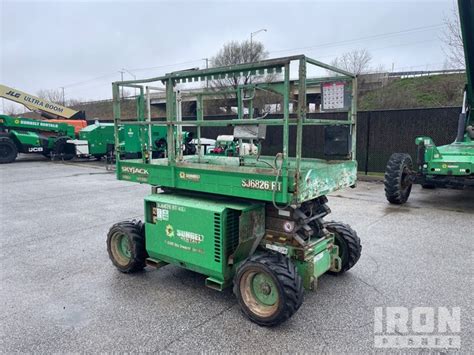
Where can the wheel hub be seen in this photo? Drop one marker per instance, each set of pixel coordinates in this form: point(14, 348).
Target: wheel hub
point(121, 248)
point(4, 151)
point(264, 289)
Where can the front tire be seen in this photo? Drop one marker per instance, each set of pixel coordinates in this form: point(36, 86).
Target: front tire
point(397, 179)
point(126, 246)
point(268, 288)
point(348, 243)
point(8, 150)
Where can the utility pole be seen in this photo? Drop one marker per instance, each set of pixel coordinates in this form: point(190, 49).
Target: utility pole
point(207, 67)
point(134, 77)
point(64, 100)
point(251, 41)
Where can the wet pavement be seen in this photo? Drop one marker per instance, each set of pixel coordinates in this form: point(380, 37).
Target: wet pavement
point(60, 293)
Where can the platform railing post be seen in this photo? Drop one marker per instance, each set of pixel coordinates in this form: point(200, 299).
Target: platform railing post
point(353, 114)
point(200, 117)
point(301, 115)
point(148, 108)
point(286, 128)
point(141, 118)
point(170, 114)
point(116, 109)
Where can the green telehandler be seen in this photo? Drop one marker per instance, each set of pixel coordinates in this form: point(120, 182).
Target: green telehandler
point(48, 137)
point(252, 221)
point(26, 135)
point(448, 166)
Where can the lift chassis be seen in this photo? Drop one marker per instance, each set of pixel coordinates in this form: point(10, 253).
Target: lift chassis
point(253, 222)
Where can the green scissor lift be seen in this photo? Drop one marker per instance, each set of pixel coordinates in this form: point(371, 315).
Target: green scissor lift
point(252, 221)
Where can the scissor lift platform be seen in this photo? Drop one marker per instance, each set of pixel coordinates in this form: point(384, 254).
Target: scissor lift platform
point(247, 177)
point(282, 179)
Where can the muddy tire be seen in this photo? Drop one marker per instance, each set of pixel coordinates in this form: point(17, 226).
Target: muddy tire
point(348, 243)
point(397, 179)
point(8, 150)
point(126, 246)
point(268, 288)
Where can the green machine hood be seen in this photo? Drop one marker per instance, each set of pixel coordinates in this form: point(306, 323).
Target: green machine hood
point(466, 15)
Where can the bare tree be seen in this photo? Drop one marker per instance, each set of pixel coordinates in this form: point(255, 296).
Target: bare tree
point(452, 39)
point(233, 53)
point(52, 95)
point(74, 102)
point(13, 109)
point(237, 53)
point(356, 61)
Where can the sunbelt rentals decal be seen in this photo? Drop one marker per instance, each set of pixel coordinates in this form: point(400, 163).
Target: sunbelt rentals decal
point(187, 236)
point(191, 239)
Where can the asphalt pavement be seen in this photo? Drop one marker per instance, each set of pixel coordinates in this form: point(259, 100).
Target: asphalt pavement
point(60, 293)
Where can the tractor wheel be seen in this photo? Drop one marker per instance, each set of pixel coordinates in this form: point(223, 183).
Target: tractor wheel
point(63, 149)
point(348, 243)
point(8, 150)
point(126, 246)
point(398, 178)
point(268, 288)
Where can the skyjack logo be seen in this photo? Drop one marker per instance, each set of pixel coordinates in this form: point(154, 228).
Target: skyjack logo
point(133, 170)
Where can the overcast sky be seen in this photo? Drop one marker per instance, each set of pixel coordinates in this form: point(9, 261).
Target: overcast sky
point(82, 45)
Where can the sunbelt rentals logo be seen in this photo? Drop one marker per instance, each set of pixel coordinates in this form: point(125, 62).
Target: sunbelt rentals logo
point(169, 231)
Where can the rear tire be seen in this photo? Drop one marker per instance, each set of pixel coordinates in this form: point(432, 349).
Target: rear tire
point(126, 246)
point(348, 243)
point(8, 150)
point(268, 288)
point(398, 178)
point(63, 149)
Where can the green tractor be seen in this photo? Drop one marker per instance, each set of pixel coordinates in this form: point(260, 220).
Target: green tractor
point(448, 166)
point(255, 223)
point(26, 135)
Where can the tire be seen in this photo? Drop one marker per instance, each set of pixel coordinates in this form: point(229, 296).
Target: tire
point(281, 289)
point(190, 149)
point(8, 150)
point(63, 149)
point(348, 242)
point(126, 246)
point(397, 178)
